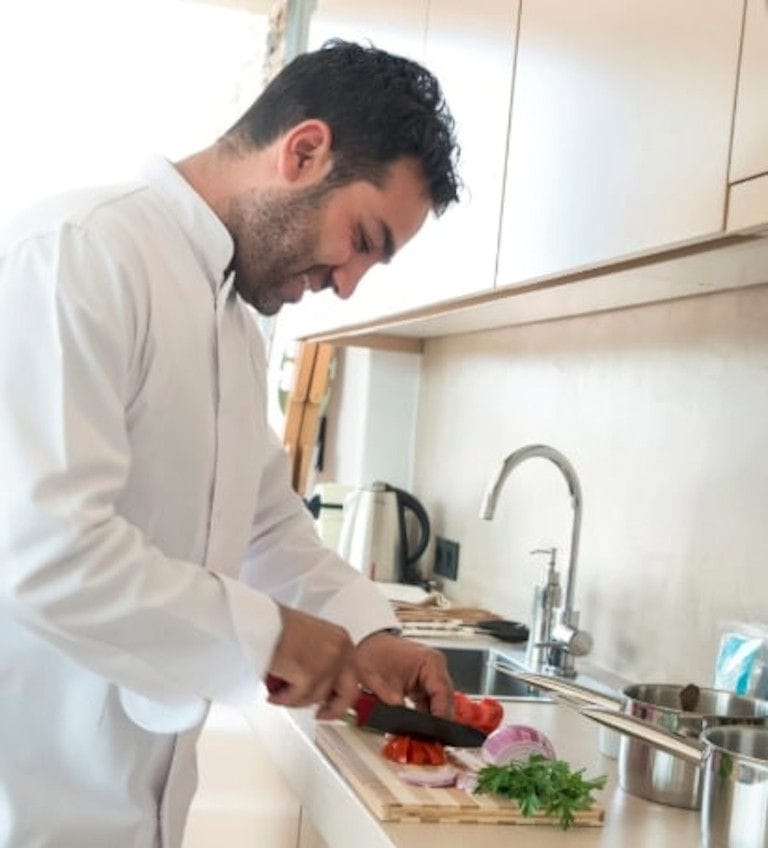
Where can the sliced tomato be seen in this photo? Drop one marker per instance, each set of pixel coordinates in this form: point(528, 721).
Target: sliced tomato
point(396, 749)
point(417, 752)
point(491, 714)
point(435, 753)
point(484, 714)
point(465, 710)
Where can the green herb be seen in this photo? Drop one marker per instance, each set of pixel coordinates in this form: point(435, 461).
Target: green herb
point(541, 784)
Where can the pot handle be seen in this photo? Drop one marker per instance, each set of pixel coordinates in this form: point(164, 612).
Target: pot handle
point(560, 686)
point(691, 750)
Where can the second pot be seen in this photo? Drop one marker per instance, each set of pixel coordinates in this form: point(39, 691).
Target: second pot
point(733, 762)
point(656, 775)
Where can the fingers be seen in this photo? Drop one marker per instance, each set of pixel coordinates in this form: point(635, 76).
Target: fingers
point(396, 668)
point(316, 662)
point(436, 689)
point(345, 693)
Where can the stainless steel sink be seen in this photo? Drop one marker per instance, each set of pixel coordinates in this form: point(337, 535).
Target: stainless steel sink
point(472, 671)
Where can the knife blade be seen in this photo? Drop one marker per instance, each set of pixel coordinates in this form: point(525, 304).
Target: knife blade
point(372, 713)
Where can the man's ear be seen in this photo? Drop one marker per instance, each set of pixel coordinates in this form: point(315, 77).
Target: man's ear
point(304, 153)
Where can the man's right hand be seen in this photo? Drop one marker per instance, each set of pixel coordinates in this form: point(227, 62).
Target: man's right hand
point(316, 662)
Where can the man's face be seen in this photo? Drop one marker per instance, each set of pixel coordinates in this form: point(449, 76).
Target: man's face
point(291, 240)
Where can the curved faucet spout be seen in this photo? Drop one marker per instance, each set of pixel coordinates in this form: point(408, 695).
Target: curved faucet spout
point(488, 507)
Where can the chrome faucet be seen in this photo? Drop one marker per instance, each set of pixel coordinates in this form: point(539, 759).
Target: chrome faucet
point(564, 640)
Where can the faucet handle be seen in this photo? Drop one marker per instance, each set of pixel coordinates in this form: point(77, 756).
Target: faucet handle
point(578, 643)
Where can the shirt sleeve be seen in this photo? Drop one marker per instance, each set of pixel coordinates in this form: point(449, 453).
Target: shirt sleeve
point(286, 559)
point(72, 569)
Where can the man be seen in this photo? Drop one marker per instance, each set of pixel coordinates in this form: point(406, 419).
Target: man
point(153, 556)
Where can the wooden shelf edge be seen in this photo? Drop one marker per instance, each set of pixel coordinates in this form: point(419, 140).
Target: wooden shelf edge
point(718, 263)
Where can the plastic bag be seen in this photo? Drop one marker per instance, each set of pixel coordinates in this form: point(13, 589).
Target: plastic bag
point(742, 659)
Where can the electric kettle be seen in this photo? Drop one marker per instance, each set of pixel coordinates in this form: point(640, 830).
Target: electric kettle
point(374, 537)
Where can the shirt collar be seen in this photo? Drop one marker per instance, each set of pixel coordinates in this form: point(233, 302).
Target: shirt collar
point(208, 238)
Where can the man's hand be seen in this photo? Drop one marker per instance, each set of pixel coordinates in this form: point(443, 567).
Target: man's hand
point(316, 662)
point(395, 668)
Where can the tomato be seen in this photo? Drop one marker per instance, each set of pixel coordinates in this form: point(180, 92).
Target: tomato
point(417, 752)
point(484, 714)
point(491, 714)
point(396, 748)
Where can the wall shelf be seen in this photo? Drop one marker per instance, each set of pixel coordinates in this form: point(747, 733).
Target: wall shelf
point(719, 263)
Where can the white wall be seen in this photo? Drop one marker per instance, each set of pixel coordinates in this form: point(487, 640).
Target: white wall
point(663, 410)
point(372, 427)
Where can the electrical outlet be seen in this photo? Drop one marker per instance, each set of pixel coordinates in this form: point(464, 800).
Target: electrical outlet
point(446, 558)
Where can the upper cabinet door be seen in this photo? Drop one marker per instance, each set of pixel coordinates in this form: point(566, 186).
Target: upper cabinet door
point(398, 26)
point(750, 136)
point(470, 49)
point(620, 130)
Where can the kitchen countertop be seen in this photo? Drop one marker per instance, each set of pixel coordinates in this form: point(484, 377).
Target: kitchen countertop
point(344, 822)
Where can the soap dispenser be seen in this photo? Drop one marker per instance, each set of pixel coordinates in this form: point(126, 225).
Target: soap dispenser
point(546, 599)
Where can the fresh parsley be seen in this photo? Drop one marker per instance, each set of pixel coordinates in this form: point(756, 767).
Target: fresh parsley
point(541, 784)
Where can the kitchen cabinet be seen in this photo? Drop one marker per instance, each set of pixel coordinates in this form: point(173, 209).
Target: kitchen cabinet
point(748, 200)
point(471, 51)
point(750, 132)
point(620, 130)
point(398, 27)
point(470, 48)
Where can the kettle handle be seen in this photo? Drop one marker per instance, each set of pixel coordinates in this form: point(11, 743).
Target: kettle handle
point(405, 501)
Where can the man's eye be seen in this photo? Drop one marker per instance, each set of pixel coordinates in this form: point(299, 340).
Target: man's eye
point(364, 244)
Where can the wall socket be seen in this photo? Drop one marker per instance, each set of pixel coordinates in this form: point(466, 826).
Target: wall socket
point(446, 558)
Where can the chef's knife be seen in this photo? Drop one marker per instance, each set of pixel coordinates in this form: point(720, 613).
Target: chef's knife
point(370, 712)
point(375, 714)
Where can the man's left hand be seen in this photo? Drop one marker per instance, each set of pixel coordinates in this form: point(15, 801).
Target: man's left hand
point(395, 668)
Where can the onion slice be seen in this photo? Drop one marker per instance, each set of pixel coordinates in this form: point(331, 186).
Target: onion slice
point(435, 777)
point(515, 743)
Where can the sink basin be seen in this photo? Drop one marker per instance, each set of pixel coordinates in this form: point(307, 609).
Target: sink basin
point(472, 672)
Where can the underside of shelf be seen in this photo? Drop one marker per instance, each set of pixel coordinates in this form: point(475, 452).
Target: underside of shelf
point(716, 264)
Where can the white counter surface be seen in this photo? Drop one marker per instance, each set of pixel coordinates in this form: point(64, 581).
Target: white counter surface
point(344, 822)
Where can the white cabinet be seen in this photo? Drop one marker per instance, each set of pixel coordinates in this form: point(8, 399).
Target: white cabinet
point(750, 133)
point(399, 27)
point(748, 200)
point(620, 130)
point(470, 48)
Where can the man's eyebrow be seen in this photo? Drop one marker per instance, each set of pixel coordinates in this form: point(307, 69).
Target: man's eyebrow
point(387, 242)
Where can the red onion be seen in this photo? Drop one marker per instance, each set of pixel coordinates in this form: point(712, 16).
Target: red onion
point(515, 743)
point(432, 776)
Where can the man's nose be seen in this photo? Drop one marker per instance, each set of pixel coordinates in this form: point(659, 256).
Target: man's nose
point(347, 277)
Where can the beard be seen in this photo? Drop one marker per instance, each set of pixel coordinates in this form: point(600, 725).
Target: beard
point(276, 236)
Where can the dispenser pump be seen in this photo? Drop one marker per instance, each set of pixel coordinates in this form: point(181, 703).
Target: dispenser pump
point(553, 575)
point(546, 599)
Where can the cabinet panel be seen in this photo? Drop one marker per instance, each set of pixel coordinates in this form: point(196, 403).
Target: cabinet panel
point(620, 130)
point(750, 136)
point(471, 51)
point(398, 27)
point(748, 203)
point(470, 48)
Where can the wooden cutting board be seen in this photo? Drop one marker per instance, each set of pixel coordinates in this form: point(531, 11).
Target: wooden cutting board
point(356, 754)
point(466, 615)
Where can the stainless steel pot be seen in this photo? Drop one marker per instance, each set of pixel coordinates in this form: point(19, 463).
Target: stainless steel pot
point(733, 762)
point(646, 771)
point(658, 775)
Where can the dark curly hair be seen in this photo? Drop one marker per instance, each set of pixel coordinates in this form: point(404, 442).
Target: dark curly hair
point(380, 107)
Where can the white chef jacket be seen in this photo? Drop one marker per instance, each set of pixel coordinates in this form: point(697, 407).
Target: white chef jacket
point(148, 524)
